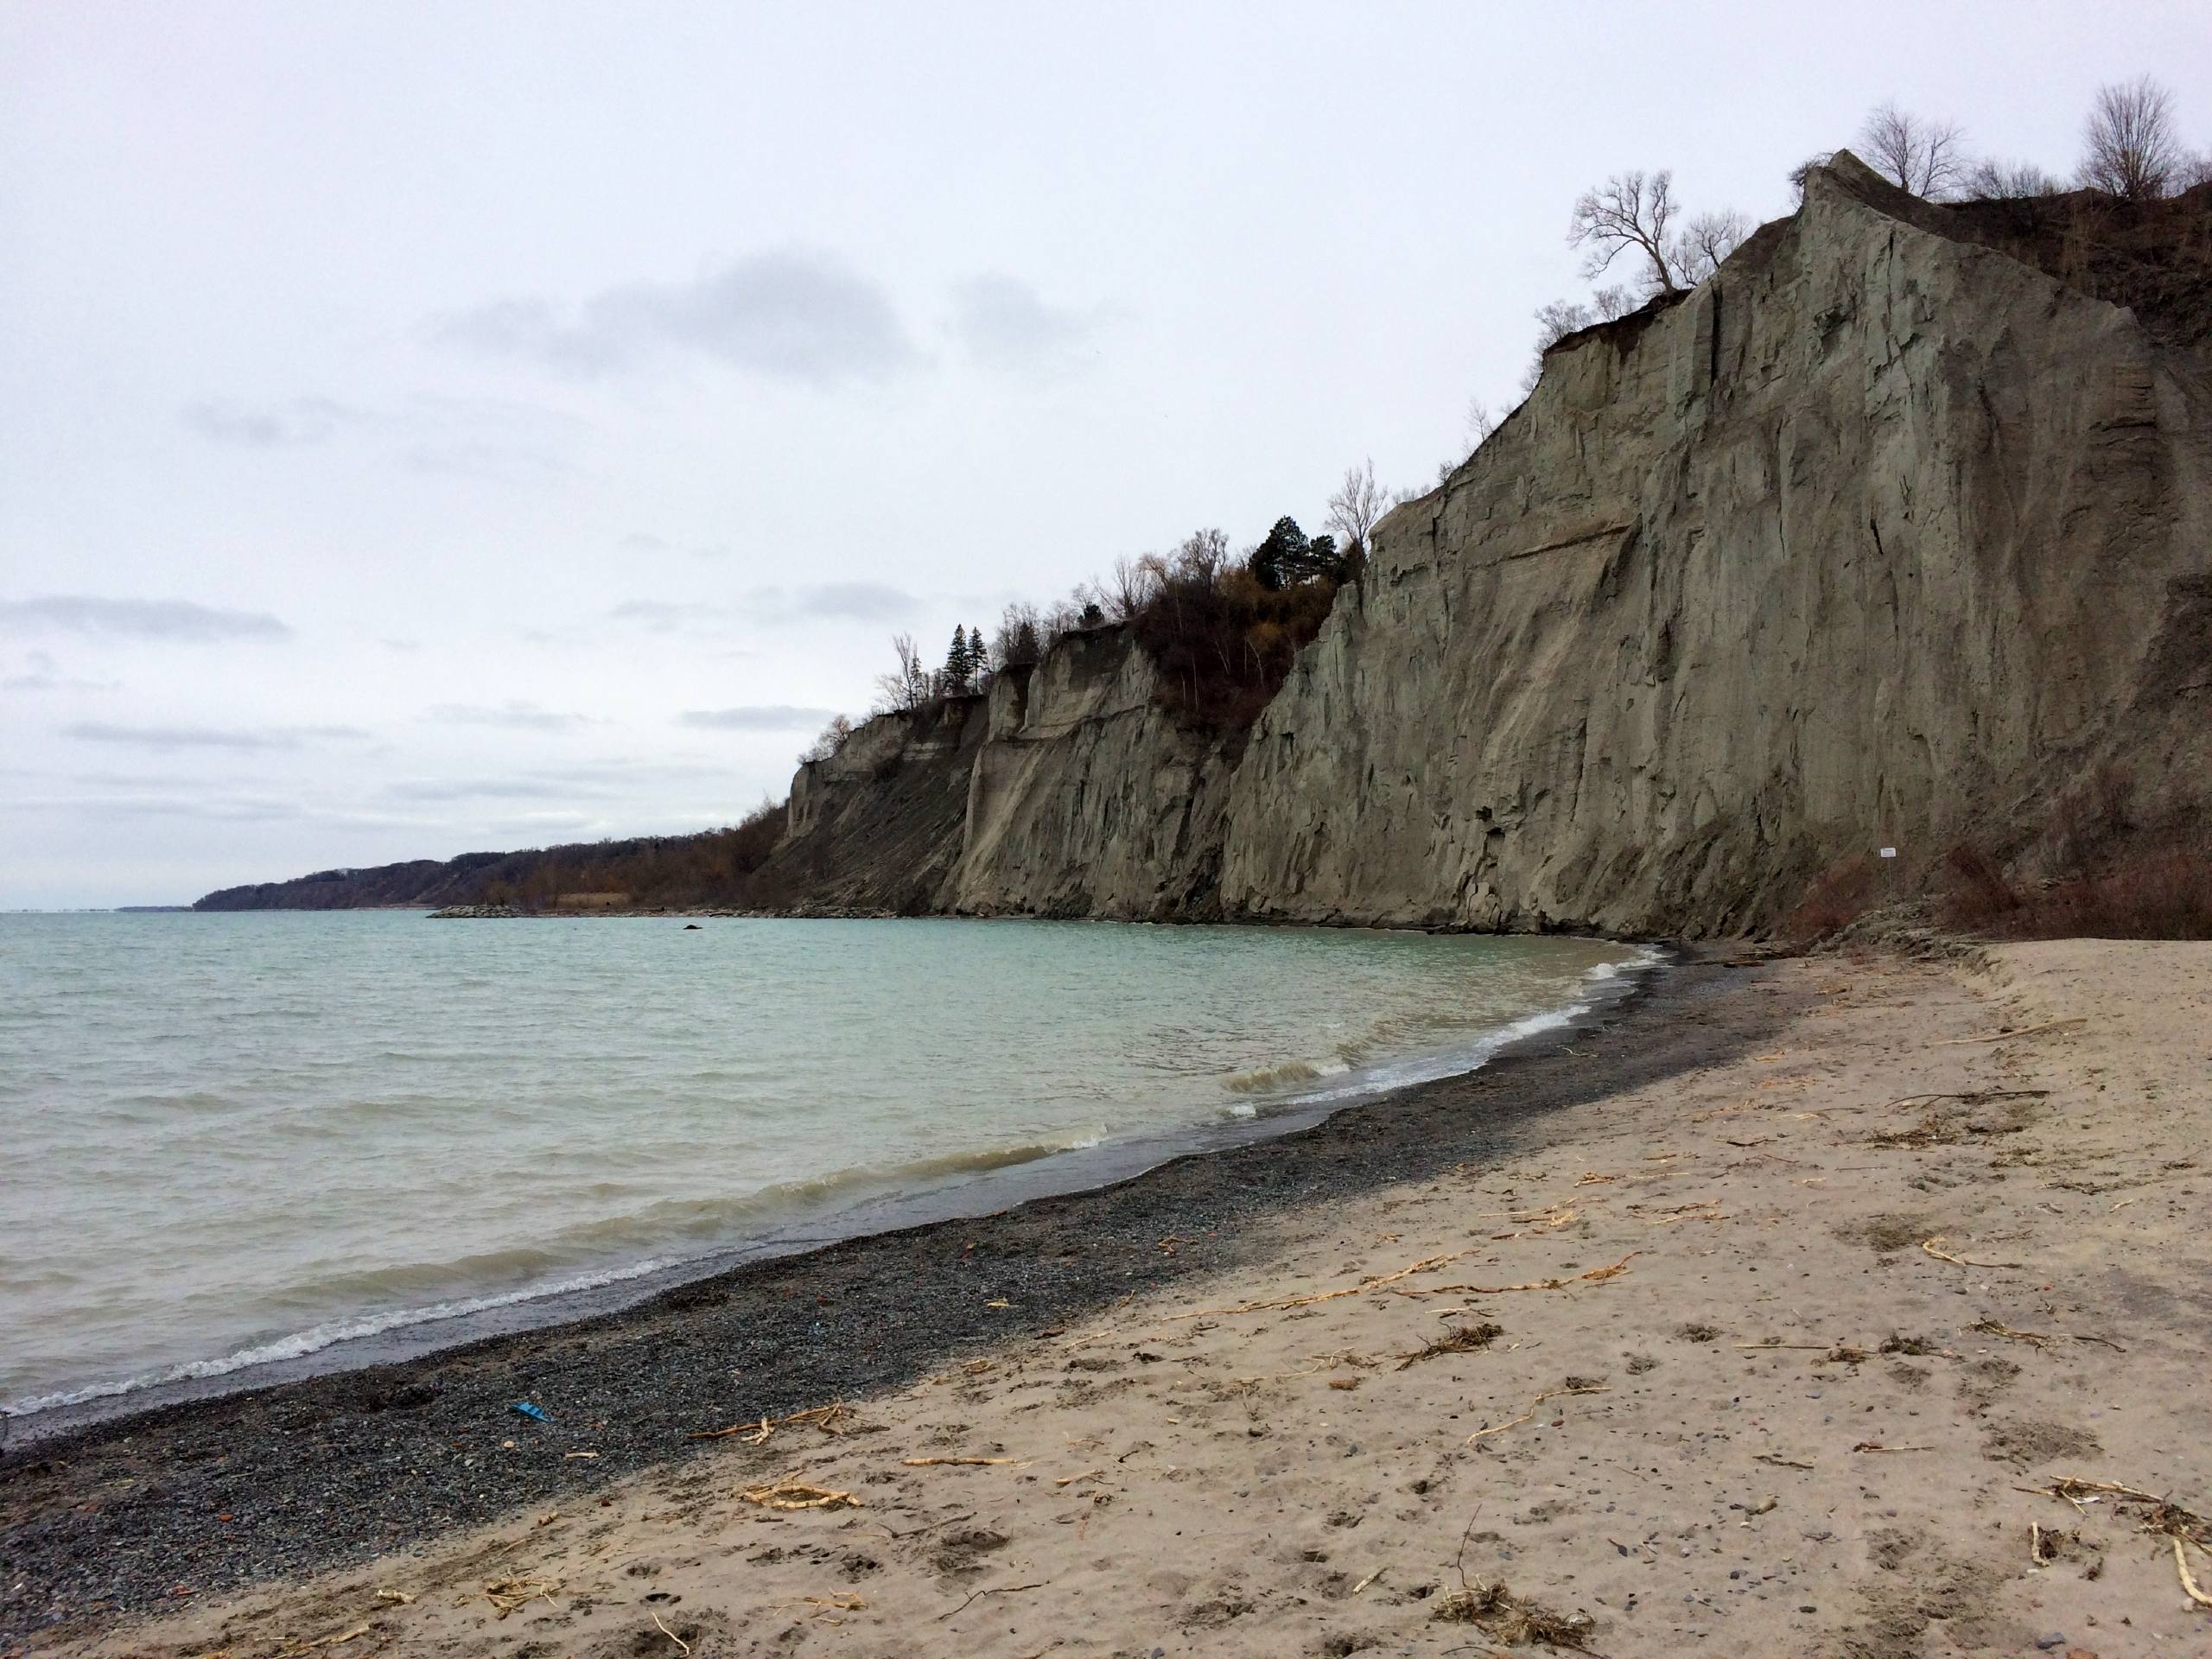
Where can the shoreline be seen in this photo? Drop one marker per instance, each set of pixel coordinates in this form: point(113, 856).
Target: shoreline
point(1849, 1305)
point(412, 1334)
point(610, 1366)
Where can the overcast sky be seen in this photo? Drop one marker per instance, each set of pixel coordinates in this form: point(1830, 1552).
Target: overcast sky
point(432, 427)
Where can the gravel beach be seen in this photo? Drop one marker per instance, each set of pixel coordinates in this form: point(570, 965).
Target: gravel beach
point(199, 1499)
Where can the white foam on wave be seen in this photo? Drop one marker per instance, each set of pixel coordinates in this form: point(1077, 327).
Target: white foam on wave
point(1363, 1081)
point(300, 1344)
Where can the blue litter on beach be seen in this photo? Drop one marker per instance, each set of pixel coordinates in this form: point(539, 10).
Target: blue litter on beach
point(535, 1413)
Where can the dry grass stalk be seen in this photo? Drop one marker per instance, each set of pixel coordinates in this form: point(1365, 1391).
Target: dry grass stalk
point(1929, 1244)
point(1504, 1616)
point(1373, 1283)
point(950, 1462)
point(508, 1594)
point(2187, 1584)
point(1757, 1347)
point(2007, 1036)
point(1990, 1328)
point(674, 1637)
point(798, 1495)
point(2166, 1518)
point(1543, 1221)
point(1461, 1339)
point(1596, 1275)
point(1548, 1393)
point(825, 1418)
point(995, 1590)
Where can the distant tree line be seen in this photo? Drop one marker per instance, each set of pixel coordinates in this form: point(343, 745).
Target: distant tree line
point(714, 867)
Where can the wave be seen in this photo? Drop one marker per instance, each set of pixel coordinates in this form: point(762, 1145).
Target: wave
point(1461, 1058)
point(648, 1238)
point(1269, 1076)
point(707, 1224)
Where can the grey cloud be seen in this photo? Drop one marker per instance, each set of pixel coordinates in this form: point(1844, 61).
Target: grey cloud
point(173, 620)
point(646, 542)
point(428, 432)
point(275, 426)
point(757, 718)
point(482, 458)
point(226, 809)
point(666, 616)
point(42, 673)
point(1002, 323)
point(512, 716)
point(790, 315)
point(211, 737)
point(632, 773)
point(863, 602)
point(495, 789)
point(860, 602)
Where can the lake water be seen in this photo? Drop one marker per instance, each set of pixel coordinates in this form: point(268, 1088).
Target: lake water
point(236, 1139)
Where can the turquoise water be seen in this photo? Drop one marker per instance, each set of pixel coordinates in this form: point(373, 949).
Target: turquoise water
point(241, 1138)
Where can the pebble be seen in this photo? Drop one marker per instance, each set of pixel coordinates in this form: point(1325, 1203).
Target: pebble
point(2047, 1643)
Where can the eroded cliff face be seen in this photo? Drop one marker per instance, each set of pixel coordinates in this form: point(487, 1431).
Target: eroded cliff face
point(1067, 792)
point(878, 826)
point(1877, 539)
point(1088, 800)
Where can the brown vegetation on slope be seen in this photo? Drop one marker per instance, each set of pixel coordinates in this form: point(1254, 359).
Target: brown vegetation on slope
point(2153, 257)
point(2105, 867)
point(1223, 642)
point(718, 867)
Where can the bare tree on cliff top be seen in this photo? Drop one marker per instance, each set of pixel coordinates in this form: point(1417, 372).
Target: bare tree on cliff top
point(1990, 180)
point(1926, 157)
point(1628, 211)
point(1704, 242)
point(1358, 502)
point(832, 740)
point(2129, 146)
point(1131, 587)
point(911, 685)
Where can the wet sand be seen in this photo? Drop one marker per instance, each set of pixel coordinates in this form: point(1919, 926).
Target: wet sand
point(1795, 1280)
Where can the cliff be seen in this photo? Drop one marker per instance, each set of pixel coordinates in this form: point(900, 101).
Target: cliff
point(1067, 791)
point(1893, 533)
point(1881, 537)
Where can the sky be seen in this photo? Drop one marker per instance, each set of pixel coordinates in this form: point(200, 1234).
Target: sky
point(434, 428)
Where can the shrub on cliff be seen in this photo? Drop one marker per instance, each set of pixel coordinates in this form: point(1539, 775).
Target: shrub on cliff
point(1222, 639)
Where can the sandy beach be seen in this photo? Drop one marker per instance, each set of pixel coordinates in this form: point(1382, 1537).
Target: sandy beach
point(1769, 1318)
